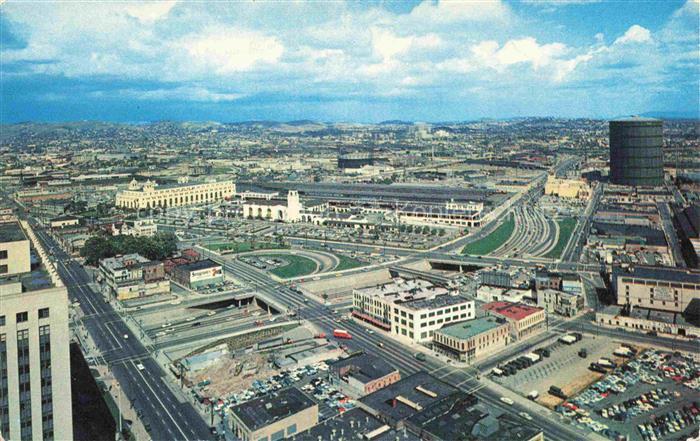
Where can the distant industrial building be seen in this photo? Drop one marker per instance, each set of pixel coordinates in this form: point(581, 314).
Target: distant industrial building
point(152, 195)
point(64, 221)
point(524, 320)
point(133, 276)
point(273, 417)
point(35, 380)
point(658, 288)
point(567, 188)
point(472, 340)
point(361, 374)
point(198, 274)
point(636, 154)
point(411, 309)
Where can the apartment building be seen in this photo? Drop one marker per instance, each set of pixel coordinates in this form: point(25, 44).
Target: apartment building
point(34, 343)
point(411, 309)
point(132, 276)
point(361, 374)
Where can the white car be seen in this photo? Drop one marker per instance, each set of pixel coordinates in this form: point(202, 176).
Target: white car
point(507, 400)
point(210, 313)
point(525, 415)
point(126, 336)
point(140, 367)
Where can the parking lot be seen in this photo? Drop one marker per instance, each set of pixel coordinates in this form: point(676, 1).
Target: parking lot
point(652, 397)
point(560, 365)
point(309, 378)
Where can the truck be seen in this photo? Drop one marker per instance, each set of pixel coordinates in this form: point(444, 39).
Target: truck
point(606, 363)
point(568, 339)
point(533, 395)
point(341, 333)
point(534, 358)
point(320, 335)
point(557, 392)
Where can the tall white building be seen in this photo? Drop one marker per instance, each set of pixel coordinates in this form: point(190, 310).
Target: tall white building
point(35, 389)
point(411, 309)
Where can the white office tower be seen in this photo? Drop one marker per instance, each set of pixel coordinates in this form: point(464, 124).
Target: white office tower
point(35, 389)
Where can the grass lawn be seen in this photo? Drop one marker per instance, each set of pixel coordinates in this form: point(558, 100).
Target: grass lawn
point(566, 227)
point(242, 247)
point(348, 263)
point(296, 266)
point(491, 242)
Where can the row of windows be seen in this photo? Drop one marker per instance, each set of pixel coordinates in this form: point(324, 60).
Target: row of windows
point(23, 316)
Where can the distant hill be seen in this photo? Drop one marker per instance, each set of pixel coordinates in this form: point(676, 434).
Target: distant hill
point(671, 115)
point(395, 122)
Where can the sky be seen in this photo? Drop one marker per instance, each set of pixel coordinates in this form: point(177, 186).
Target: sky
point(356, 61)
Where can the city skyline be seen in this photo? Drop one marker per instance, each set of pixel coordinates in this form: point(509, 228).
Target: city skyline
point(418, 61)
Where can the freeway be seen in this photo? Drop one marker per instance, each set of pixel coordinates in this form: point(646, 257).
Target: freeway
point(121, 350)
point(396, 353)
point(574, 248)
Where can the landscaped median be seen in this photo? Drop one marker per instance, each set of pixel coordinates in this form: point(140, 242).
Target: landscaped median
point(493, 241)
point(566, 227)
point(243, 247)
point(295, 265)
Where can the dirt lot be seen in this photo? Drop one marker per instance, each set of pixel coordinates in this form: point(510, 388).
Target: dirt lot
point(224, 380)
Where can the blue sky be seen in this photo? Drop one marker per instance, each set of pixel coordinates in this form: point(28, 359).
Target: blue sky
point(346, 61)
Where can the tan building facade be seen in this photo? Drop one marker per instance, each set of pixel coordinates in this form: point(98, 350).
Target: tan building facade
point(472, 340)
point(35, 378)
point(152, 195)
point(14, 250)
point(658, 288)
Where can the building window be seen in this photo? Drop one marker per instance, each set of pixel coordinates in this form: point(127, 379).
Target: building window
point(22, 317)
point(3, 269)
point(2, 320)
point(44, 313)
point(3, 254)
point(291, 429)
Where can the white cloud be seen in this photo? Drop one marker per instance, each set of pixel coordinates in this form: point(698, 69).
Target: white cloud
point(150, 11)
point(456, 10)
point(635, 34)
point(186, 93)
point(524, 50)
point(228, 51)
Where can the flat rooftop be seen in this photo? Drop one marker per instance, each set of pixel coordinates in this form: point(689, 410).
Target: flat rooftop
point(470, 328)
point(11, 232)
point(199, 265)
point(271, 408)
point(438, 301)
point(660, 273)
point(355, 424)
point(409, 396)
point(514, 311)
point(364, 367)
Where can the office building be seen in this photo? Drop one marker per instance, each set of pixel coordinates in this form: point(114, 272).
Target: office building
point(274, 417)
point(152, 195)
point(133, 276)
point(636, 155)
point(34, 343)
point(411, 309)
point(14, 250)
point(361, 374)
point(525, 321)
point(653, 287)
point(472, 340)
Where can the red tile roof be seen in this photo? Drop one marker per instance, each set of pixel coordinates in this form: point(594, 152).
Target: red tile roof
point(514, 311)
